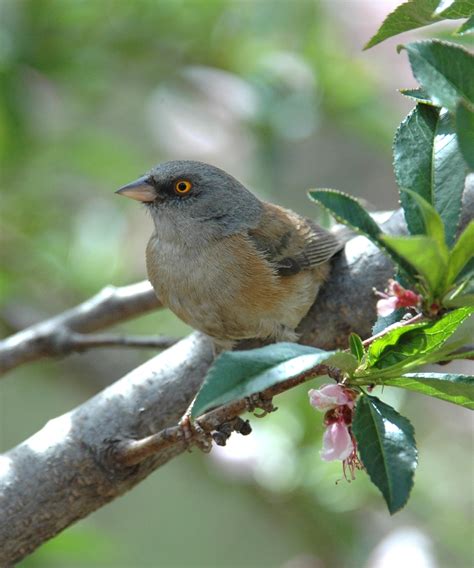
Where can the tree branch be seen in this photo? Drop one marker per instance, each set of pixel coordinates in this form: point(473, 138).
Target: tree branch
point(133, 452)
point(53, 337)
point(72, 341)
point(70, 467)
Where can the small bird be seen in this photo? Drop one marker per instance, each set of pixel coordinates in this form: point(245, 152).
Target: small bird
point(225, 262)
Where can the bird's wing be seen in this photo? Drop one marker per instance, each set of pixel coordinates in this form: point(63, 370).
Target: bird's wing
point(319, 247)
point(292, 243)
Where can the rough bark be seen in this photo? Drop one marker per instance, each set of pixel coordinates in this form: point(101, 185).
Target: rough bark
point(54, 336)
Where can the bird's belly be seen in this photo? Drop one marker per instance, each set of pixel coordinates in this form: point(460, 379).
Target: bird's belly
point(225, 296)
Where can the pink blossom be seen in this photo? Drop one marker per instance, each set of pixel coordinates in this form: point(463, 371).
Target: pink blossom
point(386, 306)
point(396, 297)
point(337, 442)
point(330, 396)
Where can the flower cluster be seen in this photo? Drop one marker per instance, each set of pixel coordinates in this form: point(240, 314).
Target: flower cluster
point(396, 297)
point(339, 443)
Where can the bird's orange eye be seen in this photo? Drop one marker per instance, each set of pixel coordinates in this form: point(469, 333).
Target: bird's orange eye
point(183, 186)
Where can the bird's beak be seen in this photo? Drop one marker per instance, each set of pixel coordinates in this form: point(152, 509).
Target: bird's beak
point(140, 189)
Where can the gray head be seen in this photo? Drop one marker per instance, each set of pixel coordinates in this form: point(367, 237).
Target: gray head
point(184, 192)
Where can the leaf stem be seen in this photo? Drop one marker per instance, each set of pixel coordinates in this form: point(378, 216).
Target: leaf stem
point(415, 319)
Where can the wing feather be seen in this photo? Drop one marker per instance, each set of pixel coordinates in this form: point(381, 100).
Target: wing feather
point(292, 243)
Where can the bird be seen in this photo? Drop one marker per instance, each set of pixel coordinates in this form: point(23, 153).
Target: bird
point(227, 263)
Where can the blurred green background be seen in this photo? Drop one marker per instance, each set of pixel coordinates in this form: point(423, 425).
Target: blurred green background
point(279, 93)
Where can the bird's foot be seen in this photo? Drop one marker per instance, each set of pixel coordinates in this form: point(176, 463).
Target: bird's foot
point(193, 433)
point(257, 401)
point(223, 432)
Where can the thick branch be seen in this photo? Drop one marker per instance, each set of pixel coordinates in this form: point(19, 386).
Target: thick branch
point(53, 337)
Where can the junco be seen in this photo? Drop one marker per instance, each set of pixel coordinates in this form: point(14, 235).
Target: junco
point(225, 262)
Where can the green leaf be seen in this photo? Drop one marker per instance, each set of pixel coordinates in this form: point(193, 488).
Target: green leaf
point(385, 321)
point(418, 13)
point(462, 253)
point(387, 449)
point(408, 16)
point(419, 95)
point(467, 27)
point(465, 133)
point(356, 346)
point(426, 257)
point(349, 211)
point(455, 9)
point(444, 70)
point(343, 361)
point(467, 273)
point(238, 374)
point(412, 345)
point(393, 347)
point(461, 301)
point(463, 295)
point(458, 389)
point(449, 175)
point(427, 160)
point(433, 224)
point(413, 160)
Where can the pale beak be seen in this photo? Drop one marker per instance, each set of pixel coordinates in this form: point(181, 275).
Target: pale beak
point(140, 189)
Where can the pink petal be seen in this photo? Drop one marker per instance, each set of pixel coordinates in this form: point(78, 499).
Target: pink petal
point(386, 306)
point(328, 396)
point(337, 443)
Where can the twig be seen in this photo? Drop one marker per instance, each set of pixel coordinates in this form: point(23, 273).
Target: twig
point(80, 342)
point(415, 319)
point(110, 306)
point(132, 452)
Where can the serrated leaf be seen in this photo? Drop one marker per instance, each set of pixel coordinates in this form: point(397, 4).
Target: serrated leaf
point(462, 253)
point(387, 448)
point(356, 346)
point(413, 160)
point(419, 95)
point(449, 175)
point(238, 374)
point(455, 9)
point(347, 210)
point(410, 346)
point(458, 389)
point(343, 361)
point(426, 257)
point(444, 70)
point(408, 16)
point(427, 160)
point(391, 344)
point(467, 27)
point(432, 222)
point(465, 133)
